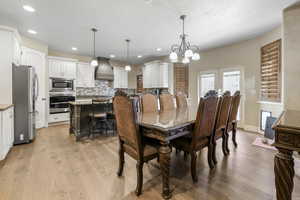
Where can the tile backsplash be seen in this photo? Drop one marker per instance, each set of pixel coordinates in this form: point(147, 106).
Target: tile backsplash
point(102, 88)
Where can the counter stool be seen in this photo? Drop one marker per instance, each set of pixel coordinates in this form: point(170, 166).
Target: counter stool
point(98, 116)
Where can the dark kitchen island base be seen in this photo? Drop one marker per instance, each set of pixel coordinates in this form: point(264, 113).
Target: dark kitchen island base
point(80, 118)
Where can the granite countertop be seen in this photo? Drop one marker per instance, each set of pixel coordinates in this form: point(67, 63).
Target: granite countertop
point(89, 101)
point(5, 106)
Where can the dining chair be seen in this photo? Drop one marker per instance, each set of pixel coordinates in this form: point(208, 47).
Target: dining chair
point(130, 137)
point(232, 121)
point(149, 103)
point(181, 100)
point(202, 133)
point(166, 102)
point(98, 117)
point(221, 123)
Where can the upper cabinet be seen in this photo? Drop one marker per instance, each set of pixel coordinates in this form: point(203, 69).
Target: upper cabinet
point(62, 68)
point(85, 75)
point(156, 75)
point(120, 77)
point(10, 54)
point(17, 52)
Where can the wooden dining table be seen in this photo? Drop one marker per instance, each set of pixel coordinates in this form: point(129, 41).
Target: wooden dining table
point(165, 126)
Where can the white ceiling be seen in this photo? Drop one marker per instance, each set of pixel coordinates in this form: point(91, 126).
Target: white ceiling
point(63, 24)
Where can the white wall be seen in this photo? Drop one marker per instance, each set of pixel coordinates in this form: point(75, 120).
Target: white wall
point(291, 58)
point(244, 54)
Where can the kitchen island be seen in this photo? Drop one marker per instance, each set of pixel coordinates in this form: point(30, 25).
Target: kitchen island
point(80, 115)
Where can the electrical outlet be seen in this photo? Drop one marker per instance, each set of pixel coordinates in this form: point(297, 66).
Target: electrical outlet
point(22, 137)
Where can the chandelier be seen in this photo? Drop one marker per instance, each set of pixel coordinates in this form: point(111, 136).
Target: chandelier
point(185, 51)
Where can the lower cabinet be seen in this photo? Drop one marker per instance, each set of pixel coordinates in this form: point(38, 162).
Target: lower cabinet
point(6, 131)
point(60, 117)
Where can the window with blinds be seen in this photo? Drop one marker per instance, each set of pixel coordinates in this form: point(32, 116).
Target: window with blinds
point(181, 78)
point(271, 72)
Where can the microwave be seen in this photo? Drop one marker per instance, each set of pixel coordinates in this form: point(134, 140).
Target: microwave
point(61, 85)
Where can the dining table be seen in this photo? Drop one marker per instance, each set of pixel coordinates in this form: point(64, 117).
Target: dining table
point(165, 126)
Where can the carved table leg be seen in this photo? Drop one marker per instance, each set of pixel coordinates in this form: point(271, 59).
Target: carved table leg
point(284, 174)
point(164, 158)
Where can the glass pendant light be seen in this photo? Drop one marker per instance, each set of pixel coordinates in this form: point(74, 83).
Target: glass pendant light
point(127, 67)
point(94, 61)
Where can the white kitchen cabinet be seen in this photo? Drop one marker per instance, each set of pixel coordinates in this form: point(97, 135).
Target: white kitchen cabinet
point(62, 67)
point(120, 77)
point(37, 60)
point(10, 53)
point(16, 51)
point(85, 75)
point(6, 131)
point(156, 75)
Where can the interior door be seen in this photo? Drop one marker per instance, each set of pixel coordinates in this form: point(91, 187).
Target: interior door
point(38, 61)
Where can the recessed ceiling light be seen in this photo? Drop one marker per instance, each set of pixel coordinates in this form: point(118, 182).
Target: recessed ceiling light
point(139, 56)
point(32, 32)
point(74, 48)
point(112, 55)
point(148, 1)
point(28, 8)
point(158, 49)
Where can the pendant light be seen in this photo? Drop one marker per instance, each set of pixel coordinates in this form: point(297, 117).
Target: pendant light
point(94, 61)
point(127, 67)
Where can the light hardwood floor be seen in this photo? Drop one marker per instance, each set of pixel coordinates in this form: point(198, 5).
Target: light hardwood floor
point(55, 167)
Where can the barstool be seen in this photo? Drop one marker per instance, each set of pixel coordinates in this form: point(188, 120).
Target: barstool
point(98, 116)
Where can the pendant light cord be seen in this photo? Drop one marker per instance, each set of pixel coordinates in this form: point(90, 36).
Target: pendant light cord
point(94, 44)
point(127, 40)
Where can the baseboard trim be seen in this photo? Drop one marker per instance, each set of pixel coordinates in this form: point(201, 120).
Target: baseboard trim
point(251, 128)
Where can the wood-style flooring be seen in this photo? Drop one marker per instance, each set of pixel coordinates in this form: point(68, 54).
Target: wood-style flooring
point(55, 167)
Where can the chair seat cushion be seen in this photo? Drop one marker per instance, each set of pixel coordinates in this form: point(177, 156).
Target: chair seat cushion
point(185, 143)
point(98, 115)
point(149, 151)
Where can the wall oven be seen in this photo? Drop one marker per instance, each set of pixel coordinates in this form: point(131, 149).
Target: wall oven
point(60, 103)
point(61, 85)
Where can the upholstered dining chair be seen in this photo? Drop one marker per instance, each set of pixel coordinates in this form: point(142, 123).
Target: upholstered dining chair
point(202, 133)
point(232, 121)
point(221, 123)
point(130, 138)
point(181, 100)
point(166, 102)
point(149, 103)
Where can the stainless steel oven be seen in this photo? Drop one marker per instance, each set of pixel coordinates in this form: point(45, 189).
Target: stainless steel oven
point(61, 85)
point(60, 103)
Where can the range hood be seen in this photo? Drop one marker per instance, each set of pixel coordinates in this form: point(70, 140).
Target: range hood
point(104, 70)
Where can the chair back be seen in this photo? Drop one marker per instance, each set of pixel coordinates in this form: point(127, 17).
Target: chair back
point(223, 111)
point(181, 100)
point(149, 103)
point(99, 107)
point(206, 118)
point(166, 102)
point(234, 106)
point(125, 115)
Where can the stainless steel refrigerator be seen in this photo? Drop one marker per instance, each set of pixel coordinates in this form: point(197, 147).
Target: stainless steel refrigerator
point(25, 93)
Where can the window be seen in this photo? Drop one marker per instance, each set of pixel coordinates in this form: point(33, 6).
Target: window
point(263, 118)
point(231, 82)
point(271, 72)
point(181, 78)
point(207, 82)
